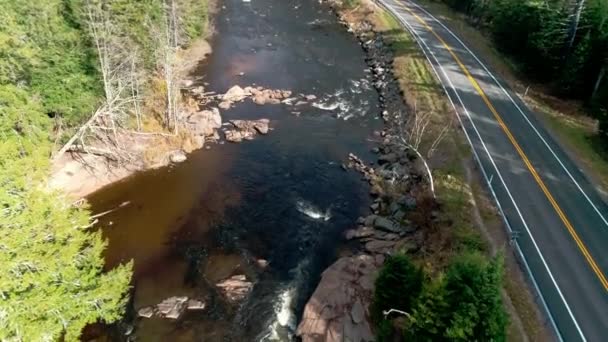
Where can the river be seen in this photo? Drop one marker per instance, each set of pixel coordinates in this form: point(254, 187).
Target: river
point(282, 197)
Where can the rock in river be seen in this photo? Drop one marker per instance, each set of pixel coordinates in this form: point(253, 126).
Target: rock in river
point(246, 129)
point(172, 307)
point(235, 94)
point(235, 288)
point(205, 122)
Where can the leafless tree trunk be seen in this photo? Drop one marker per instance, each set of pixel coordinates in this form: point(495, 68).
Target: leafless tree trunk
point(167, 45)
point(413, 135)
point(117, 66)
point(579, 6)
point(600, 78)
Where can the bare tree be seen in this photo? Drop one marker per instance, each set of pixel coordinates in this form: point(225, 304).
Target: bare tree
point(167, 43)
point(118, 68)
point(575, 19)
point(414, 135)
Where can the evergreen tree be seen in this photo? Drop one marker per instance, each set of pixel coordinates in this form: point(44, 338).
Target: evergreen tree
point(52, 280)
point(472, 294)
point(398, 285)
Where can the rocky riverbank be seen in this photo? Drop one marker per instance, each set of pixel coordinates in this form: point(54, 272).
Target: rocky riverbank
point(338, 310)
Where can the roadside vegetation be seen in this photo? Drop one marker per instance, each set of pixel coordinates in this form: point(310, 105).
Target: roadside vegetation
point(62, 62)
point(555, 54)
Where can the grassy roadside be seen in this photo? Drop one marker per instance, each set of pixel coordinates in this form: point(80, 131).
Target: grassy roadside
point(566, 121)
point(475, 223)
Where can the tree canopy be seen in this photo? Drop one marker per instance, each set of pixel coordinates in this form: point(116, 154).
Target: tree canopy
point(52, 280)
point(563, 43)
point(463, 303)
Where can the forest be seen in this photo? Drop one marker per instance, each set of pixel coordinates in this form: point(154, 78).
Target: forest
point(562, 43)
point(61, 62)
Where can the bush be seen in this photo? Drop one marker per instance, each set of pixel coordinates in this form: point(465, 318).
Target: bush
point(465, 304)
point(398, 285)
point(473, 293)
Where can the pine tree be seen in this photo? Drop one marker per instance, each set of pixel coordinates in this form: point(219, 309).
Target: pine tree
point(52, 279)
point(398, 285)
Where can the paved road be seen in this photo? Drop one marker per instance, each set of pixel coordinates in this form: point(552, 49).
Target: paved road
point(560, 221)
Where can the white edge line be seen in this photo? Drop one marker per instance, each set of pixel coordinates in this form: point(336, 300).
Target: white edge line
point(518, 108)
point(421, 43)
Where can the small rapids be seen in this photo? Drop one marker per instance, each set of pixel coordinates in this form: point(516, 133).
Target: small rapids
point(283, 324)
point(346, 103)
point(312, 211)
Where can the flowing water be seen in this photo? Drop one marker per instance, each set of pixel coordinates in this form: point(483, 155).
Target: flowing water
point(282, 197)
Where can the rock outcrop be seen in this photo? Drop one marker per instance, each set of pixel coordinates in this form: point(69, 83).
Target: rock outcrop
point(339, 308)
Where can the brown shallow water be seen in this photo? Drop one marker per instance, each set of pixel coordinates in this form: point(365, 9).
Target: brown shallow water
point(191, 225)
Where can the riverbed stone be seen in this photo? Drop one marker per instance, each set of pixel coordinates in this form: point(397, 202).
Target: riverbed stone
point(246, 129)
point(145, 312)
point(172, 307)
point(194, 304)
point(235, 288)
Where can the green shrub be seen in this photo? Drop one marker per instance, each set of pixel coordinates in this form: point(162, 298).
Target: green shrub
point(398, 285)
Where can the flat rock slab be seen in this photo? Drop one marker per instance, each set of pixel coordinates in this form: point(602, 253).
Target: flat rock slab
point(338, 309)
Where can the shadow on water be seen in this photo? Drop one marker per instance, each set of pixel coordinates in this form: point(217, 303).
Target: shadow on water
point(282, 197)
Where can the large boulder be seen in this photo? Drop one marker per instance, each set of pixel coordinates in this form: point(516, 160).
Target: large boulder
point(338, 309)
point(235, 94)
point(204, 123)
point(246, 129)
point(177, 157)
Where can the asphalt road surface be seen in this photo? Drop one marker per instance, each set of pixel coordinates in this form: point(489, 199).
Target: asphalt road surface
point(558, 219)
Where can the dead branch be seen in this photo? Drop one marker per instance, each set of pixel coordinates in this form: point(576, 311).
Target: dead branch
point(106, 153)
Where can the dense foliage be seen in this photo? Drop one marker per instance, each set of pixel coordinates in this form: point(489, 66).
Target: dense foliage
point(52, 279)
point(552, 43)
point(464, 304)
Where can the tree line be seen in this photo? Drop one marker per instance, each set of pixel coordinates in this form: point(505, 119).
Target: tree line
point(563, 43)
point(62, 62)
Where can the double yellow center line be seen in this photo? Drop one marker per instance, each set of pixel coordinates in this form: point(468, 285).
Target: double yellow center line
point(521, 153)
